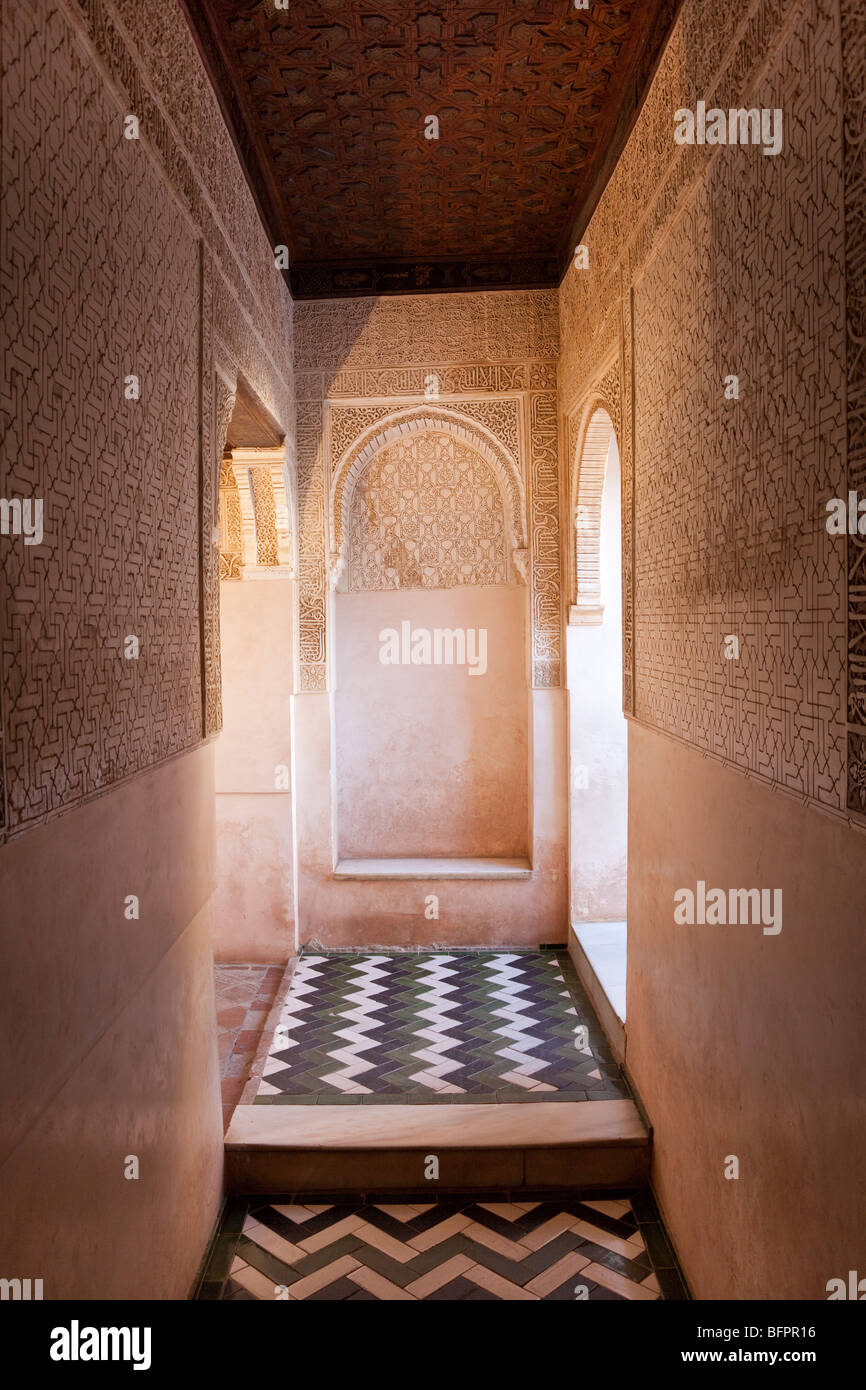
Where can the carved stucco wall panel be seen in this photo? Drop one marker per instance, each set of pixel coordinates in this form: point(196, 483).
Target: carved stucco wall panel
point(484, 330)
point(363, 366)
point(501, 416)
point(451, 420)
point(152, 52)
point(723, 502)
point(426, 512)
point(265, 516)
point(119, 477)
point(465, 378)
point(224, 395)
point(312, 548)
point(854, 153)
point(130, 487)
point(231, 547)
point(545, 546)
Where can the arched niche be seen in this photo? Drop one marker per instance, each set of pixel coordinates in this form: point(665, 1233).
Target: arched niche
point(404, 425)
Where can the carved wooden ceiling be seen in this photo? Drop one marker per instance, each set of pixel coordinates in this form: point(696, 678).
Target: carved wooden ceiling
point(328, 102)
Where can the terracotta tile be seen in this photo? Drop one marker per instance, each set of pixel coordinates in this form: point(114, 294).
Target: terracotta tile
point(320, 1278)
point(440, 1276)
point(617, 1283)
point(557, 1274)
point(599, 1237)
point(297, 1213)
point(437, 1234)
point(494, 1283)
point(231, 1016)
point(501, 1244)
point(563, 1221)
point(398, 1250)
point(380, 1286)
point(509, 1211)
point(399, 1213)
point(257, 1283)
point(276, 1244)
point(346, 1227)
point(611, 1207)
point(237, 1066)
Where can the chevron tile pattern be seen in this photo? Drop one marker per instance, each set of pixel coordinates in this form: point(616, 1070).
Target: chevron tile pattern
point(412, 1249)
point(441, 1027)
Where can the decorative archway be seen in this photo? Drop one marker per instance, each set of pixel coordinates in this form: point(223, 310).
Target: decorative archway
point(598, 741)
point(590, 467)
point(419, 418)
point(256, 512)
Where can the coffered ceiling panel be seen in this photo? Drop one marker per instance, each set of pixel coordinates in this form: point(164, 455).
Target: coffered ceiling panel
point(329, 101)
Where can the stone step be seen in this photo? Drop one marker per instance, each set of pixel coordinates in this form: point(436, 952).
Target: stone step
point(336, 1148)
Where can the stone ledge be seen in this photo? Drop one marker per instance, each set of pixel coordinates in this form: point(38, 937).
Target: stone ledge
point(433, 869)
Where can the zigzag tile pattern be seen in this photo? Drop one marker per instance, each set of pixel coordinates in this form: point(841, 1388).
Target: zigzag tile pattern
point(298, 1249)
point(474, 1026)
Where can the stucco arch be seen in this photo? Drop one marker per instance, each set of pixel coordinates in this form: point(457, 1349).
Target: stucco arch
point(418, 418)
point(258, 479)
point(596, 429)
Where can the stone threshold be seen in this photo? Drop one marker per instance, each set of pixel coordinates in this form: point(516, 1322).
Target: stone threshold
point(479, 869)
point(272, 1148)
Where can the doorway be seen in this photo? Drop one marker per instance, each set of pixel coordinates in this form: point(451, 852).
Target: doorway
point(598, 745)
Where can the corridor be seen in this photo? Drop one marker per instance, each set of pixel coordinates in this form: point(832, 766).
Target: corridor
point(433, 664)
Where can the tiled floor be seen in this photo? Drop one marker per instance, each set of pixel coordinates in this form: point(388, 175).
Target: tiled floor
point(408, 1248)
point(244, 995)
point(479, 1026)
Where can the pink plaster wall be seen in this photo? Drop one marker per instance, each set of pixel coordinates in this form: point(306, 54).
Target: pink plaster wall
point(379, 912)
point(739, 1043)
point(109, 1042)
point(109, 1032)
point(253, 903)
point(746, 1044)
point(431, 760)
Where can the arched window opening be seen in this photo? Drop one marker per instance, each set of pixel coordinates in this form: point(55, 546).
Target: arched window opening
point(598, 797)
